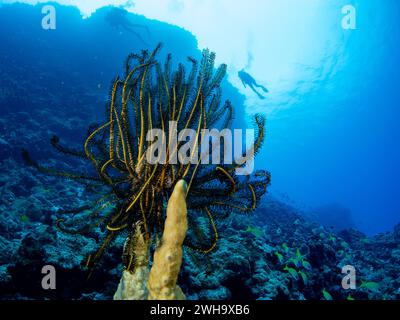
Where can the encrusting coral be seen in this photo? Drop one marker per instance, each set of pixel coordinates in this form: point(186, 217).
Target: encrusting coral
point(161, 282)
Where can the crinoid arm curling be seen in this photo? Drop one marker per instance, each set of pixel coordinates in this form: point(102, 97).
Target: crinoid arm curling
point(150, 95)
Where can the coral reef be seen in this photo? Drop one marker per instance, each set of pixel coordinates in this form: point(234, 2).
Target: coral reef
point(245, 265)
point(293, 258)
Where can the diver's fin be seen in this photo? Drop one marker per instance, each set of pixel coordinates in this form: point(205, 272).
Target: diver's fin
point(257, 93)
point(262, 87)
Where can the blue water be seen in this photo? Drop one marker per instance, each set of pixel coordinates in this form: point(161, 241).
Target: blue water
point(338, 145)
point(341, 142)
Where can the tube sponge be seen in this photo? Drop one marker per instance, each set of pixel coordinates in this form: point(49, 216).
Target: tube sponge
point(167, 261)
point(168, 256)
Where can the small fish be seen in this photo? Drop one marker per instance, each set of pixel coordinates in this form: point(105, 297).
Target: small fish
point(373, 286)
point(285, 247)
point(306, 264)
point(280, 256)
point(332, 238)
point(255, 231)
point(299, 256)
point(296, 262)
point(24, 218)
point(327, 295)
point(292, 272)
point(303, 277)
point(350, 298)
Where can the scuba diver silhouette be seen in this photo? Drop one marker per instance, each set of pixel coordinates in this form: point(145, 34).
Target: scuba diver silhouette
point(252, 83)
point(117, 18)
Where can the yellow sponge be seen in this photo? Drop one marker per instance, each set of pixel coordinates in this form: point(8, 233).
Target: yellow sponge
point(161, 280)
point(168, 256)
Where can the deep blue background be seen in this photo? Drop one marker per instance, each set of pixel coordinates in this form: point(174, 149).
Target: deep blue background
point(340, 144)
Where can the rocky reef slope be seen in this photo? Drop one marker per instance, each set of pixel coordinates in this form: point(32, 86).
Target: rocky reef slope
point(273, 254)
